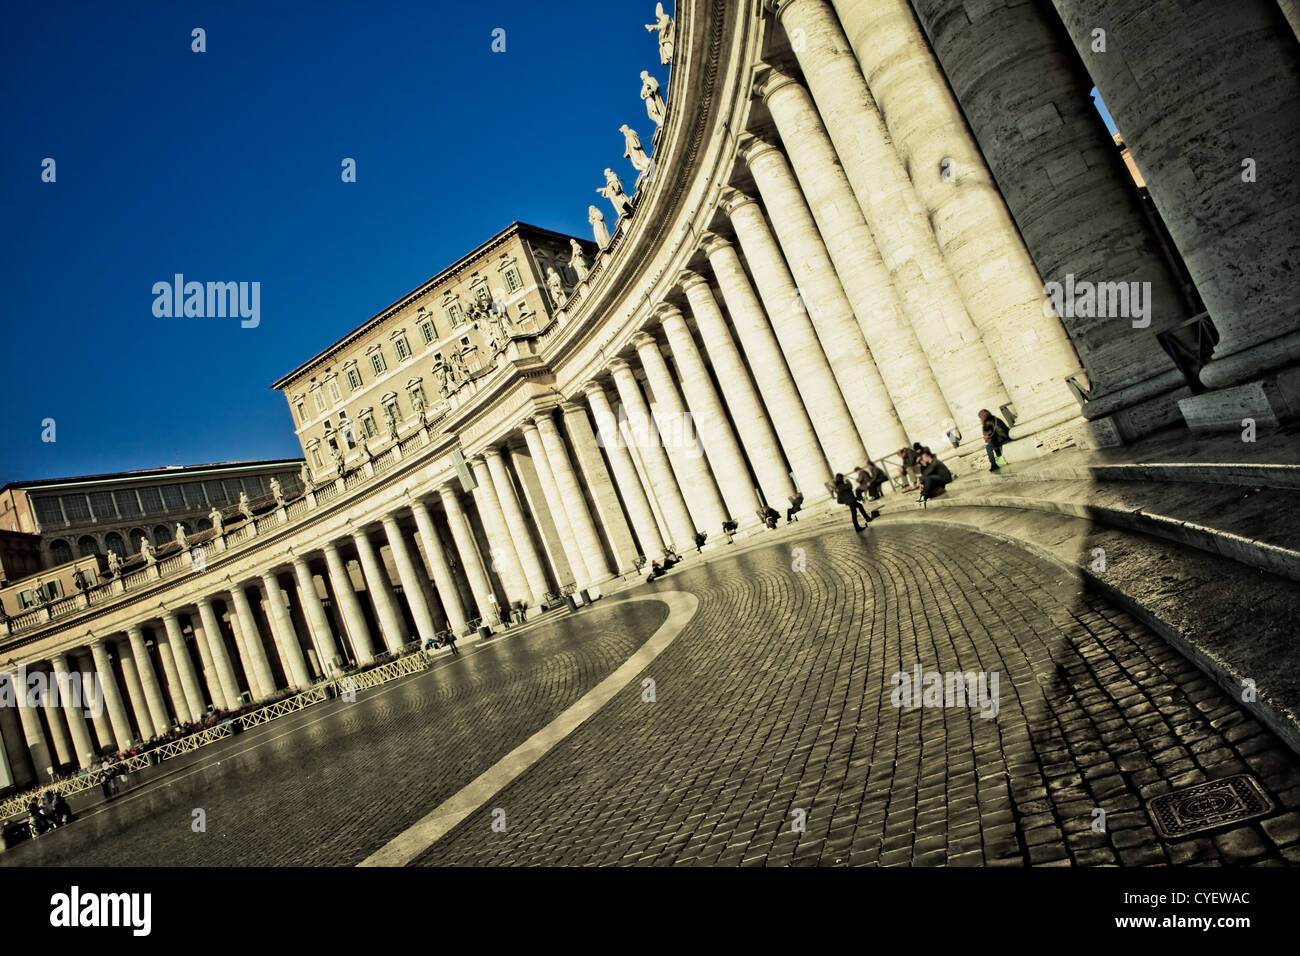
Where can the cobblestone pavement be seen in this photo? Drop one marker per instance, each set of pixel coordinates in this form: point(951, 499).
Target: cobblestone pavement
point(772, 707)
point(777, 699)
point(329, 785)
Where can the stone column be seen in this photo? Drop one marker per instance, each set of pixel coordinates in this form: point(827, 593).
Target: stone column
point(448, 592)
point(819, 383)
point(463, 535)
point(74, 712)
point(256, 664)
point(1205, 95)
point(1024, 94)
point(321, 635)
point(535, 500)
point(573, 501)
point(410, 575)
point(54, 720)
point(112, 697)
point(176, 690)
point(135, 692)
point(748, 416)
point(220, 657)
point(354, 620)
point(555, 503)
point(40, 751)
point(184, 666)
point(684, 449)
point(780, 396)
point(875, 409)
point(904, 254)
point(517, 522)
point(596, 476)
point(96, 707)
point(292, 660)
point(505, 559)
point(662, 482)
point(629, 483)
point(980, 244)
point(381, 592)
point(161, 719)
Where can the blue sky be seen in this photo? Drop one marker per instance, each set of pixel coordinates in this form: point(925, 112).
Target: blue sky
point(225, 166)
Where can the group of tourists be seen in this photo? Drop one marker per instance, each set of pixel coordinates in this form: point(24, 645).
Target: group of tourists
point(861, 481)
point(663, 565)
point(50, 811)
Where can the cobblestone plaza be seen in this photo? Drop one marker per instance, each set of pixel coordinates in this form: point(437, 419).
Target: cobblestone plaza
point(859, 236)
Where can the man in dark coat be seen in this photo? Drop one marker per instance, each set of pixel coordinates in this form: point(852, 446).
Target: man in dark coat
point(996, 434)
point(845, 495)
point(934, 475)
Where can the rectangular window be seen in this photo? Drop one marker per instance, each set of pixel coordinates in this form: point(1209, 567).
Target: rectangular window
point(427, 331)
point(48, 511)
point(302, 412)
point(354, 378)
point(233, 488)
point(101, 502)
point(319, 398)
point(416, 391)
point(194, 495)
point(378, 364)
point(173, 498)
point(403, 350)
point(216, 494)
point(392, 410)
point(454, 315)
point(150, 500)
point(315, 457)
point(368, 428)
point(126, 503)
point(75, 507)
point(513, 282)
point(334, 391)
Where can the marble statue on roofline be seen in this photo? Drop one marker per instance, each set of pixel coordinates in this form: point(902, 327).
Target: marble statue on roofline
point(147, 551)
point(556, 286)
point(277, 492)
point(245, 506)
point(597, 220)
point(304, 475)
point(632, 150)
point(215, 516)
point(666, 29)
point(577, 261)
point(655, 107)
point(613, 191)
point(181, 539)
point(114, 564)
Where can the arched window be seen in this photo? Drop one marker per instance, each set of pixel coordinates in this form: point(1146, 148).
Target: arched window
point(161, 535)
point(113, 542)
point(205, 524)
point(60, 551)
point(137, 535)
point(86, 546)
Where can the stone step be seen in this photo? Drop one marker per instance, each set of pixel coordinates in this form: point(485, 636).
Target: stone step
point(1256, 526)
point(1234, 622)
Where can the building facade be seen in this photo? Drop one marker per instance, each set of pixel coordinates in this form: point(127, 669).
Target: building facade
point(847, 242)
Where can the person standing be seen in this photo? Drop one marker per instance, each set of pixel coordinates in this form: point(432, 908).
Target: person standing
point(845, 495)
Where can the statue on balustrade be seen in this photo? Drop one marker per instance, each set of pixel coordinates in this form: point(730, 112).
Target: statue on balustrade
point(443, 373)
point(181, 539)
point(245, 506)
point(277, 492)
point(215, 516)
point(114, 564)
point(598, 227)
point(147, 552)
point(304, 475)
point(577, 261)
point(417, 402)
point(666, 28)
point(632, 150)
point(554, 283)
point(655, 107)
point(613, 191)
point(459, 371)
point(366, 450)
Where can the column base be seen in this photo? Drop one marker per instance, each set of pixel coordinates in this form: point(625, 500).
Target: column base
point(1271, 401)
point(1241, 367)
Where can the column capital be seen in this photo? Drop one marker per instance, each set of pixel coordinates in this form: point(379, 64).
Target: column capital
point(730, 200)
point(388, 519)
point(666, 310)
point(476, 461)
point(492, 451)
point(571, 408)
point(687, 278)
point(592, 387)
point(644, 340)
point(618, 365)
point(768, 79)
point(711, 242)
point(752, 147)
